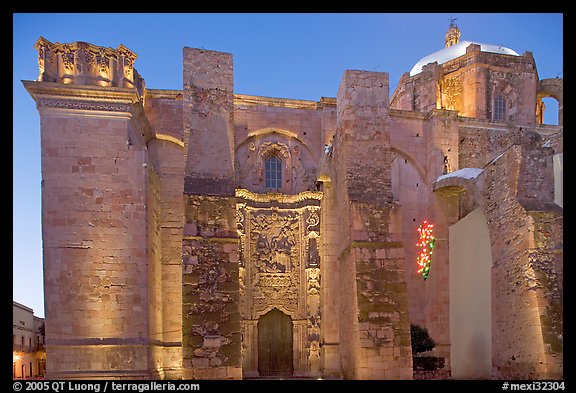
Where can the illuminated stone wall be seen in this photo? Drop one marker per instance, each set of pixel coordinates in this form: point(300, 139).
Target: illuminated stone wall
point(295, 130)
point(374, 321)
point(94, 224)
point(469, 84)
point(210, 302)
point(210, 294)
point(527, 270)
point(517, 198)
point(163, 247)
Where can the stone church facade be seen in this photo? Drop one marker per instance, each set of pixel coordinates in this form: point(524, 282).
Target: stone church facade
point(204, 234)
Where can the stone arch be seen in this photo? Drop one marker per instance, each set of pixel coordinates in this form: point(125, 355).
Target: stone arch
point(554, 88)
point(408, 179)
point(413, 161)
point(279, 131)
point(299, 162)
point(279, 307)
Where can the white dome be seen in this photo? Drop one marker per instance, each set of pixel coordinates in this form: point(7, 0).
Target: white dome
point(457, 50)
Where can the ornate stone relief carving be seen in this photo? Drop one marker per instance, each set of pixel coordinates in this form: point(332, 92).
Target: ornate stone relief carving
point(451, 94)
point(79, 105)
point(86, 64)
point(313, 327)
point(274, 252)
point(67, 58)
point(278, 235)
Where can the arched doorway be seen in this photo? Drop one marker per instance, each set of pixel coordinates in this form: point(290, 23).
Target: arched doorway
point(275, 344)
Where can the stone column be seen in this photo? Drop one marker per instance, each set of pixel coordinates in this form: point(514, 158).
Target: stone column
point(168, 163)
point(329, 272)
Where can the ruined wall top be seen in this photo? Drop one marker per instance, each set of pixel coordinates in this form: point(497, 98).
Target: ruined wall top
point(82, 63)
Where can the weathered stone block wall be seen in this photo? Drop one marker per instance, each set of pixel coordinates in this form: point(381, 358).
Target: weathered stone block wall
point(374, 335)
point(478, 145)
point(425, 94)
point(303, 118)
point(164, 110)
point(409, 143)
point(536, 180)
point(364, 123)
point(208, 118)
point(210, 299)
point(526, 291)
point(330, 288)
point(442, 151)
point(210, 303)
point(402, 96)
point(167, 157)
point(94, 234)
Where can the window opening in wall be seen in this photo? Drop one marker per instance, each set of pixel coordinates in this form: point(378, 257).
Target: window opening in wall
point(550, 110)
point(499, 108)
point(273, 166)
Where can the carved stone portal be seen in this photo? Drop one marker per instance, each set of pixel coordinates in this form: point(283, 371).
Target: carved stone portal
point(280, 269)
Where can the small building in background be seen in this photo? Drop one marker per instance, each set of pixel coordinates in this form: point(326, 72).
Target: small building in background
point(28, 353)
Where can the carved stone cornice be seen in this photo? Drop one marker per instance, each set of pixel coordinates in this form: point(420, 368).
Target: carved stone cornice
point(276, 197)
point(88, 100)
point(51, 91)
point(248, 100)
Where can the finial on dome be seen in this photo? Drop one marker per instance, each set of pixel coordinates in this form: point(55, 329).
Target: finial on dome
point(452, 35)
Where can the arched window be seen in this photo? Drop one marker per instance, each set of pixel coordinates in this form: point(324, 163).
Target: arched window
point(273, 167)
point(499, 108)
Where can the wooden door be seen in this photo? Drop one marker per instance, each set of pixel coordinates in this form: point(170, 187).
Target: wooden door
point(275, 344)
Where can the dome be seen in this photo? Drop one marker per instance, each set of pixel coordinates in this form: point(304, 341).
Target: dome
point(457, 50)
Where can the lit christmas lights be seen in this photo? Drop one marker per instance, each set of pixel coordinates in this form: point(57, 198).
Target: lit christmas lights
point(425, 245)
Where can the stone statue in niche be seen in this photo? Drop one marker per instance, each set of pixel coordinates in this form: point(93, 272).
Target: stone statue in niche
point(313, 255)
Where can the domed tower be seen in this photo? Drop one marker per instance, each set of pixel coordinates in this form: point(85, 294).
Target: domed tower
point(477, 80)
point(452, 36)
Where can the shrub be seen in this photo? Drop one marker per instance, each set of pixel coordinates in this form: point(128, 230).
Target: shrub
point(421, 340)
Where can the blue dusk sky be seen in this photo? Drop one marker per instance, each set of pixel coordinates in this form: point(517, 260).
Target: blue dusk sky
point(289, 55)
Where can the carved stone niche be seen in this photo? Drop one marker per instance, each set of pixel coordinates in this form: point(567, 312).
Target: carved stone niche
point(280, 269)
point(82, 63)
